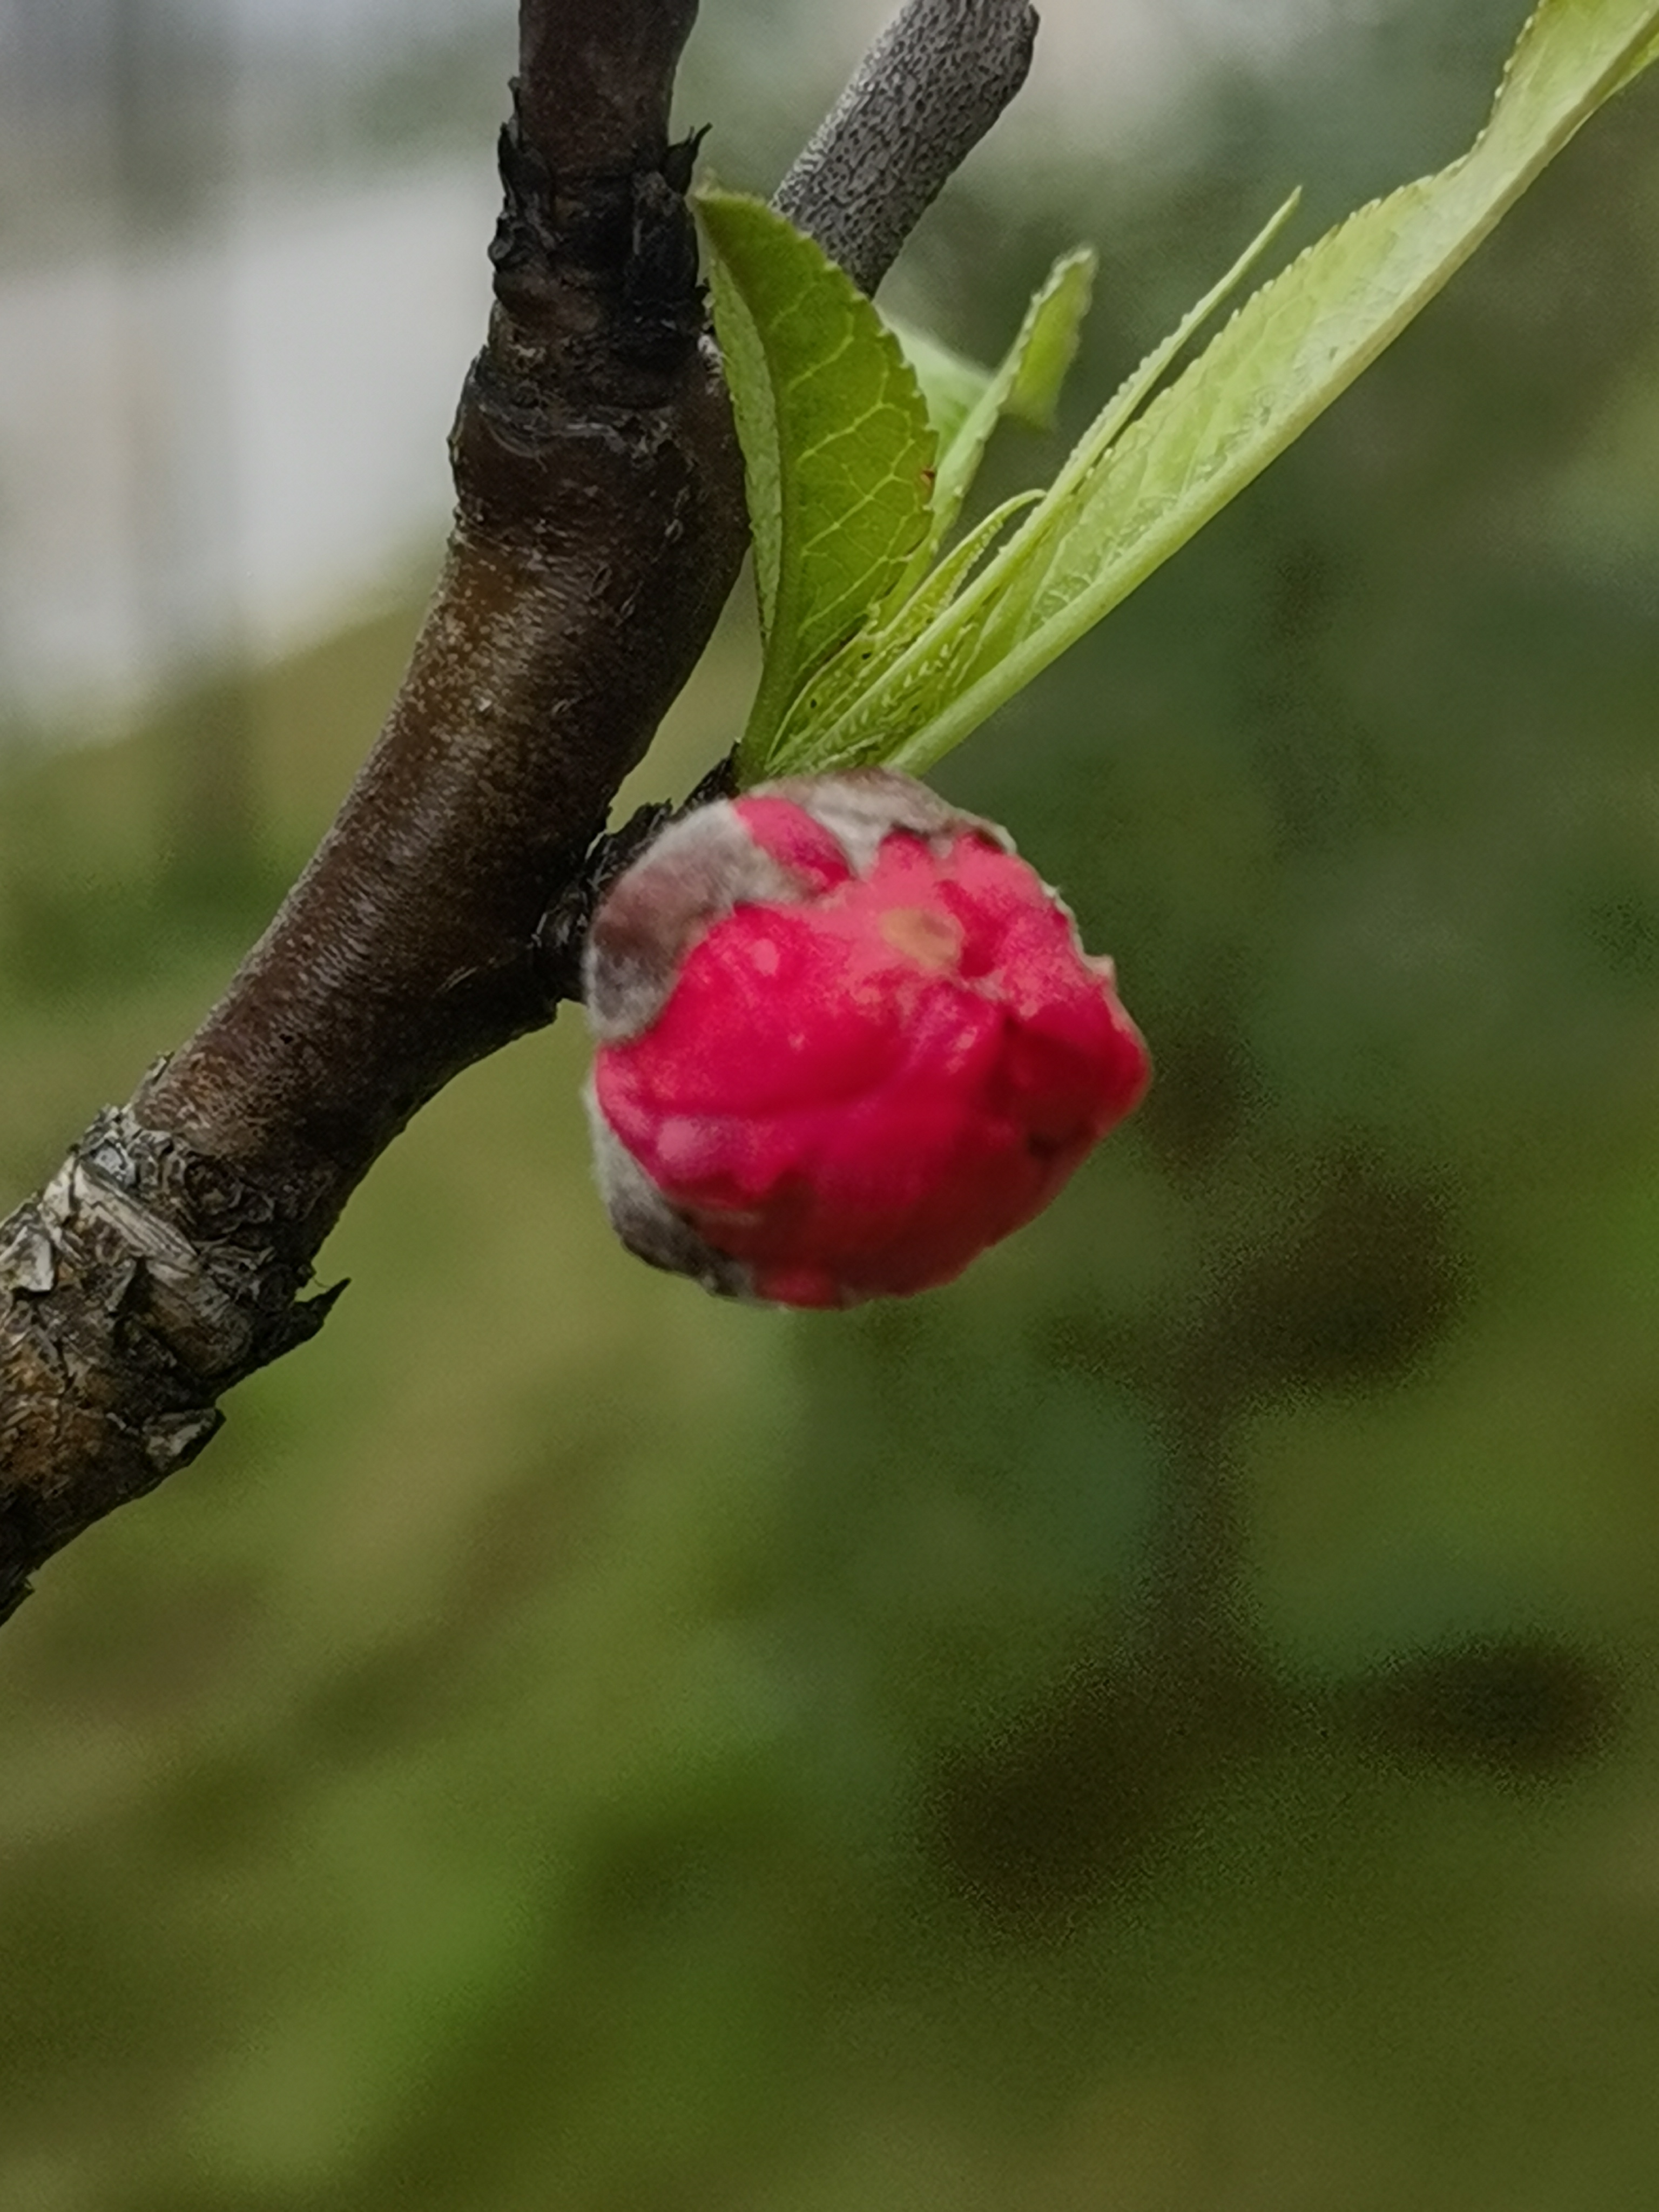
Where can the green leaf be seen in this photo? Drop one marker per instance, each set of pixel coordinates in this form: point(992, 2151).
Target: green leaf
point(870, 720)
point(837, 445)
point(1133, 495)
point(743, 356)
point(951, 383)
point(866, 658)
point(1025, 385)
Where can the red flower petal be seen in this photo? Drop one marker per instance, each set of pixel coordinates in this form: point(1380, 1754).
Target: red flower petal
point(856, 1093)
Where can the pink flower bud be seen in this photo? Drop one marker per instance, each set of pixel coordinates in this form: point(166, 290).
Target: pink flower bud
point(847, 1039)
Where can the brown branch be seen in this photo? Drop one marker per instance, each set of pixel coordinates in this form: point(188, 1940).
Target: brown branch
point(599, 525)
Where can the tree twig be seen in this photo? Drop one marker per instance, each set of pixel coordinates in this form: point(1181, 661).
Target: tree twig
point(925, 95)
point(599, 525)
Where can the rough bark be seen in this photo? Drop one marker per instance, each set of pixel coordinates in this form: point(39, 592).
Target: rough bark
point(910, 116)
point(599, 526)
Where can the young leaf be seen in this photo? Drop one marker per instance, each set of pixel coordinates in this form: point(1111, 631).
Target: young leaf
point(868, 720)
point(1025, 385)
point(744, 357)
point(1128, 499)
point(836, 444)
point(866, 658)
point(951, 383)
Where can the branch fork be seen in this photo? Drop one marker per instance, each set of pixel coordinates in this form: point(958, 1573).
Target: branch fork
point(599, 527)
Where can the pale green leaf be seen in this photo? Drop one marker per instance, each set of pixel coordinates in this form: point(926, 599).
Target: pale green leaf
point(951, 383)
point(1026, 384)
point(896, 687)
point(836, 442)
point(1116, 514)
point(866, 658)
point(1030, 378)
point(1042, 357)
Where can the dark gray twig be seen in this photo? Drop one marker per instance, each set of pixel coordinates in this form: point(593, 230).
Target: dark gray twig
point(923, 97)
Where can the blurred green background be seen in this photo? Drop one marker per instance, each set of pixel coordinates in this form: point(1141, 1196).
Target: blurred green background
point(1168, 1723)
